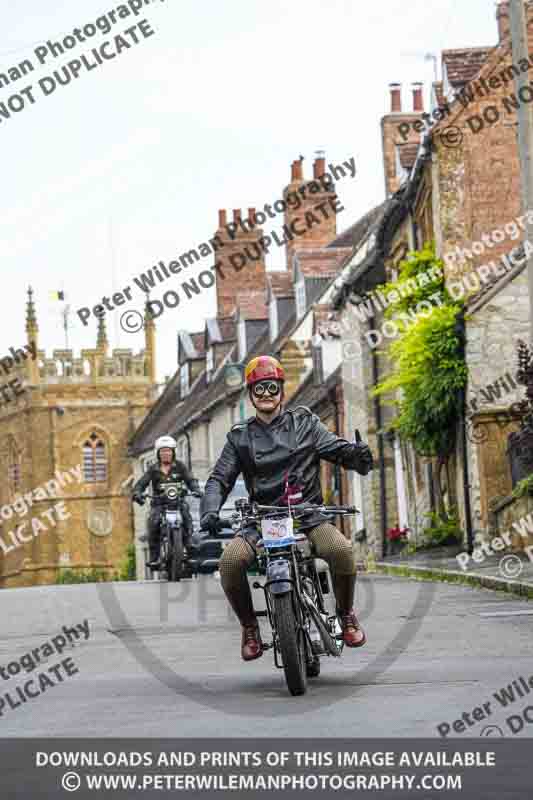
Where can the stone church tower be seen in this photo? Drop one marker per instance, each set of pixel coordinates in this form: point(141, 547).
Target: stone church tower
point(64, 431)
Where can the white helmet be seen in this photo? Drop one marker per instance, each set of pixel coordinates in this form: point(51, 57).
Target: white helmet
point(165, 441)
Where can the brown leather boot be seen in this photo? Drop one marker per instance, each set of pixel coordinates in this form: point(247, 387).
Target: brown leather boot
point(251, 645)
point(352, 633)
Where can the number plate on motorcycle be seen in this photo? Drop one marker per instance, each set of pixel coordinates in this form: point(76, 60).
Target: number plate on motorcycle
point(172, 516)
point(277, 532)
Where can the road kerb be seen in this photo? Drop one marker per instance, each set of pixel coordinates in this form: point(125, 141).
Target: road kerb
point(451, 576)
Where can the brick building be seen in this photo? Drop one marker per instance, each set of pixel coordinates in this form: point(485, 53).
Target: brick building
point(455, 195)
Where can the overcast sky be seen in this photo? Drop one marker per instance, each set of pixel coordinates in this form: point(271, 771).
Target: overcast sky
point(129, 164)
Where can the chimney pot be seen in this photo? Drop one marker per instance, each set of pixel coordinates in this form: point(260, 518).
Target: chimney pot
point(222, 218)
point(395, 97)
point(418, 99)
point(251, 216)
point(503, 20)
point(236, 214)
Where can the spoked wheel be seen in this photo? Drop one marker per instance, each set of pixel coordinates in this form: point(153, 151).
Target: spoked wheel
point(176, 556)
point(292, 644)
point(163, 557)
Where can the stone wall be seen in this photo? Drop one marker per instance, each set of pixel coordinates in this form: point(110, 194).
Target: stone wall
point(492, 332)
point(510, 516)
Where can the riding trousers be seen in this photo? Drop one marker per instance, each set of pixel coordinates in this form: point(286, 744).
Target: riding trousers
point(329, 544)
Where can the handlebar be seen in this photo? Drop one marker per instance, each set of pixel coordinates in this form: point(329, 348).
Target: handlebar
point(303, 509)
point(147, 495)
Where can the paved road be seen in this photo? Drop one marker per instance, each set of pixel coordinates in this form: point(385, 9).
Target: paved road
point(157, 668)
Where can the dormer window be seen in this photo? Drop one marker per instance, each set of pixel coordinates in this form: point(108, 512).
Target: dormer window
point(273, 319)
point(300, 298)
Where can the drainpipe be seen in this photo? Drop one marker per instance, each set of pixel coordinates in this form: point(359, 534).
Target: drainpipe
point(461, 331)
point(338, 474)
point(381, 455)
point(189, 460)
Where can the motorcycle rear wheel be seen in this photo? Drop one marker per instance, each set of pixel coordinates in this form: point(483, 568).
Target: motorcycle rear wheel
point(291, 643)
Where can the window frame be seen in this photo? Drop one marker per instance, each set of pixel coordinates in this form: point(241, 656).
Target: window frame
point(184, 380)
point(301, 299)
point(273, 319)
point(100, 465)
point(241, 334)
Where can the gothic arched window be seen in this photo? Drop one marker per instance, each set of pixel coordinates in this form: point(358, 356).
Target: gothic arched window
point(13, 468)
point(94, 460)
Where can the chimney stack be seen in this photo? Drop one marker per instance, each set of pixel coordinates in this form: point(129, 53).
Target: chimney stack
point(296, 171)
point(503, 20)
point(240, 258)
point(297, 237)
point(418, 99)
point(395, 97)
point(319, 166)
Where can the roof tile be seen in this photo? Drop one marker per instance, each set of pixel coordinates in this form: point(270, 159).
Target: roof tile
point(280, 282)
point(323, 262)
point(407, 154)
point(462, 65)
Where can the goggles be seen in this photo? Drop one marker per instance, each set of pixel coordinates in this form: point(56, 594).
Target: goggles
point(272, 388)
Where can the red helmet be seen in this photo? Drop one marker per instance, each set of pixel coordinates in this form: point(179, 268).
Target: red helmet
point(263, 368)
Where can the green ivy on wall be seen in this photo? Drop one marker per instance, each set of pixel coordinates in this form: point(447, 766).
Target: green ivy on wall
point(428, 367)
point(421, 275)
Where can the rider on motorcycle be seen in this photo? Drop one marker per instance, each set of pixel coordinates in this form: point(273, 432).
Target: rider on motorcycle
point(168, 468)
point(278, 453)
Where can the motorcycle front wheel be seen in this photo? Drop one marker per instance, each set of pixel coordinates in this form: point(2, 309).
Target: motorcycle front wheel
point(291, 639)
point(176, 556)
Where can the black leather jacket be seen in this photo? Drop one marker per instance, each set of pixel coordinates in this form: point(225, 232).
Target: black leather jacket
point(293, 444)
point(155, 476)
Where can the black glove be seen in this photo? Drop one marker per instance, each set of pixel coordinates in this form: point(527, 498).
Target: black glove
point(363, 458)
point(209, 522)
point(138, 498)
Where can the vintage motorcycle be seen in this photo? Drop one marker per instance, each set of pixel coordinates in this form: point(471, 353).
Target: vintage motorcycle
point(174, 561)
point(303, 630)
